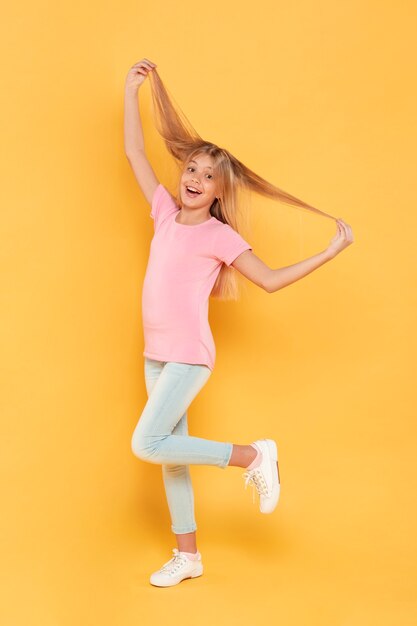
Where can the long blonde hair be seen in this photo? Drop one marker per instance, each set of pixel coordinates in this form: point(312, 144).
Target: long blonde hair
point(183, 142)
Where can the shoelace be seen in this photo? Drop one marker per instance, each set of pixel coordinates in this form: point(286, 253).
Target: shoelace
point(173, 565)
point(256, 479)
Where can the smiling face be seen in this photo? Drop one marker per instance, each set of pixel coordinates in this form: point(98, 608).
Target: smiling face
point(198, 174)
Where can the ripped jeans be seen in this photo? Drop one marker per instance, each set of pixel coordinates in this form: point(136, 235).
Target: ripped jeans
point(161, 435)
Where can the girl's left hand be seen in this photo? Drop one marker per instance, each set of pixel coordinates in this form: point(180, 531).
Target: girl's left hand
point(342, 239)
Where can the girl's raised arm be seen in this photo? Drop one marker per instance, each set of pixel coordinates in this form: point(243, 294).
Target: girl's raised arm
point(133, 133)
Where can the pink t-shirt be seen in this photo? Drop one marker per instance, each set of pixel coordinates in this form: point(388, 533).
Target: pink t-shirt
point(184, 262)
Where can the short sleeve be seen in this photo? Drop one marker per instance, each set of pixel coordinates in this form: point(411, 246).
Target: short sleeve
point(229, 244)
point(163, 204)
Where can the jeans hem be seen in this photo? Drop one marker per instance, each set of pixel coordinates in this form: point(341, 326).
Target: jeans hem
point(227, 458)
point(182, 531)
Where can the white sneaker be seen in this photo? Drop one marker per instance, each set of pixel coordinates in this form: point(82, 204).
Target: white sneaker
point(265, 477)
point(176, 569)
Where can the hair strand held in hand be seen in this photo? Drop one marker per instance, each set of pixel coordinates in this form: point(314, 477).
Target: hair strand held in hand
point(183, 142)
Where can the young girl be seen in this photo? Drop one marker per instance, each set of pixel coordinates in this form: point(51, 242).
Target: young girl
point(194, 253)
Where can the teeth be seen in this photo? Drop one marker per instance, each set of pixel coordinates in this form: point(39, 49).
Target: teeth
point(193, 189)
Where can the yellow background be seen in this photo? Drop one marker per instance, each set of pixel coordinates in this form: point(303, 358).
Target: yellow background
point(320, 99)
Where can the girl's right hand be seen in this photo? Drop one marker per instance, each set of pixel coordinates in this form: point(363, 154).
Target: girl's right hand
point(138, 73)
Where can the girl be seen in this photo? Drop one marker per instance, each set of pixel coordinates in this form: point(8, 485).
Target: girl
point(194, 253)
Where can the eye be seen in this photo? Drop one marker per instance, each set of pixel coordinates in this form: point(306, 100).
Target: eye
point(210, 175)
point(190, 167)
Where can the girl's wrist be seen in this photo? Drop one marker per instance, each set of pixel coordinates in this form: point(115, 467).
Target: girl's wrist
point(330, 254)
point(133, 90)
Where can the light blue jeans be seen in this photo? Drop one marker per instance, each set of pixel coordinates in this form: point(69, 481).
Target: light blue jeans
point(161, 435)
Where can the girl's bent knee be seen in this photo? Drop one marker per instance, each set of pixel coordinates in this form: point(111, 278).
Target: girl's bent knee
point(139, 448)
point(145, 448)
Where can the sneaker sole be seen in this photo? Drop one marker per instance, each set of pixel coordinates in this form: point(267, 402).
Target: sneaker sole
point(273, 452)
point(195, 574)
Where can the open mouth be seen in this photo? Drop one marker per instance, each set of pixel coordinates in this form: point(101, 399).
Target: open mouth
point(192, 192)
